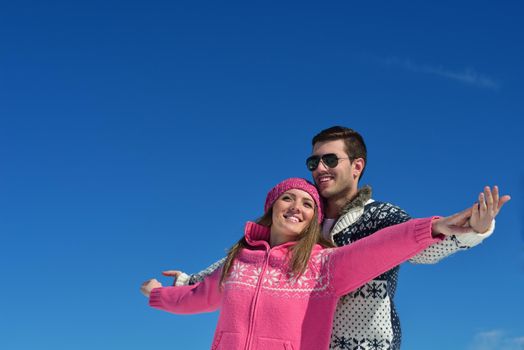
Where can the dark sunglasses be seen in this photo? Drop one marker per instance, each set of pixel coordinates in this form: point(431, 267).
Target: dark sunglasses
point(330, 160)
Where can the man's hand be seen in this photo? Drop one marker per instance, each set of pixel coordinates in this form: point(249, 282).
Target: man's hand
point(172, 273)
point(477, 218)
point(487, 208)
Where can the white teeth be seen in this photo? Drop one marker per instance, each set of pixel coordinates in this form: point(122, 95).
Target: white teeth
point(324, 179)
point(292, 218)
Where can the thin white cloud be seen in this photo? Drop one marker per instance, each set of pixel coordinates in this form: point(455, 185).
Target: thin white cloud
point(519, 341)
point(466, 76)
point(496, 340)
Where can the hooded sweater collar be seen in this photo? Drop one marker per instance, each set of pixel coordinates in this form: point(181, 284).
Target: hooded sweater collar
point(362, 197)
point(352, 210)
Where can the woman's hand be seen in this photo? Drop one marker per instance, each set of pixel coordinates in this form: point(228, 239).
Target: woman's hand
point(477, 218)
point(148, 286)
point(451, 225)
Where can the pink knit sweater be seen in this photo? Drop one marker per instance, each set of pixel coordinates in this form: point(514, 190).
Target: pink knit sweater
point(263, 307)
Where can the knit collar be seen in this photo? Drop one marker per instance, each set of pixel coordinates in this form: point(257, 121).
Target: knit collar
point(352, 210)
point(363, 195)
point(255, 233)
point(259, 236)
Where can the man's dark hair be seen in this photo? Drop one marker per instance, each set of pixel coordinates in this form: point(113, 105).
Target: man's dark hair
point(355, 146)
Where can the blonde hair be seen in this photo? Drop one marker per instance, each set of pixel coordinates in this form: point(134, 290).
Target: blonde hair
point(299, 253)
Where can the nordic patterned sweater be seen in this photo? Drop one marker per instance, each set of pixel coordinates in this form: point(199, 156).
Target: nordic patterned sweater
point(264, 307)
point(366, 319)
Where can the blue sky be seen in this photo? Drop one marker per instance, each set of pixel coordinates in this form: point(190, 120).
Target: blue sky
point(140, 136)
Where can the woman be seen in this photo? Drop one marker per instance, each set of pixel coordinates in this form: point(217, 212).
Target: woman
point(279, 286)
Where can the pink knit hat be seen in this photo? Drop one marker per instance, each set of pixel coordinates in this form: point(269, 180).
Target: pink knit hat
point(294, 183)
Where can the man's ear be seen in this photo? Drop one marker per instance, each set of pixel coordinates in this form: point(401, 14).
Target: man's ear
point(358, 165)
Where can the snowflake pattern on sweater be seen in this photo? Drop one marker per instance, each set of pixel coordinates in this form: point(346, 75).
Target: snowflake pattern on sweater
point(366, 319)
point(313, 283)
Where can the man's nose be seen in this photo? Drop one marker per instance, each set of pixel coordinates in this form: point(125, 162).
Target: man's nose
point(321, 166)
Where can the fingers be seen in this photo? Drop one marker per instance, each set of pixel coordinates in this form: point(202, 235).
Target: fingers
point(496, 198)
point(152, 280)
point(146, 282)
point(148, 285)
point(460, 217)
point(171, 273)
point(475, 211)
point(447, 226)
point(457, 230)
point(483, 212)
point(503, 200)
point(452, 224)
point(489, 199)
point(493, 200)
point(482, 203)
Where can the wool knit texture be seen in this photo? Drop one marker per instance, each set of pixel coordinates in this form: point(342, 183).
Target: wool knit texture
point(366, 319)
point(265, 307)
point(294, 183)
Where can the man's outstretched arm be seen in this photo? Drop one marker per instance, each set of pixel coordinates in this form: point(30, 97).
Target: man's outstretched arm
point(482, 224)
point(183, 279)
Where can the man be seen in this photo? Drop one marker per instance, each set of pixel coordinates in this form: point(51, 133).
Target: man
point(366, 318)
